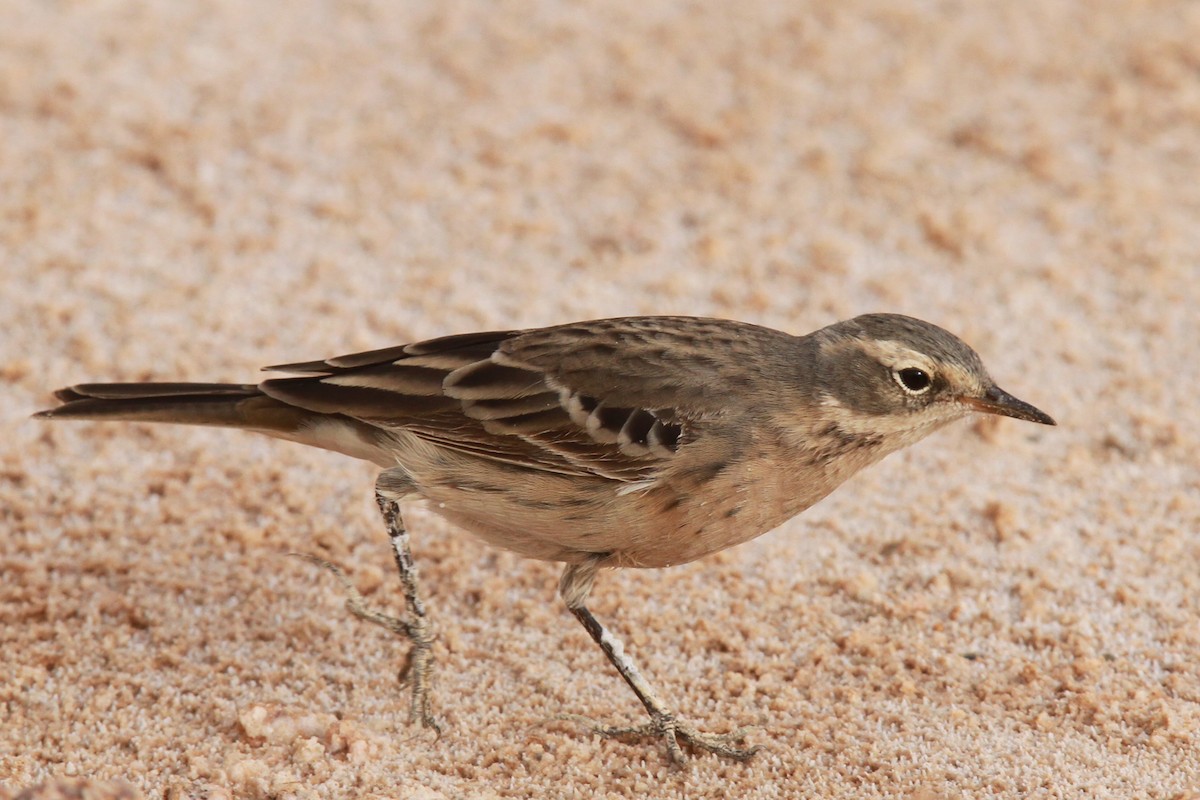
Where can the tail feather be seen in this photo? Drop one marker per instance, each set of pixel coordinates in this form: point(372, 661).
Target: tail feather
point(221, 404)
point(142, 391)
point(224, 405)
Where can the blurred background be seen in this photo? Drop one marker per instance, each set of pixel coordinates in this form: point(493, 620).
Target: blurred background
point(193, 190)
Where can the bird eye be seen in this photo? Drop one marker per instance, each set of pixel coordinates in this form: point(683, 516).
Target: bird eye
point(913, 380)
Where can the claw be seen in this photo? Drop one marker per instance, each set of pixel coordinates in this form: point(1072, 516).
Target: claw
point(417, 670)
point(674, 731)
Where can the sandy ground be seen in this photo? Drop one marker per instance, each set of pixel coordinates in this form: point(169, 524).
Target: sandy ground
point(193, 190)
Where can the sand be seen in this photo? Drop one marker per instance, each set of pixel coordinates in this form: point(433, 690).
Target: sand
point(194, 190)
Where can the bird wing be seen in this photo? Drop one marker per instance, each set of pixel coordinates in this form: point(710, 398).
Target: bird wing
point(612, 398)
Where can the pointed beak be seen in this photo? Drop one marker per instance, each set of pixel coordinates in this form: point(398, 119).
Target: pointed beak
point(997, 401)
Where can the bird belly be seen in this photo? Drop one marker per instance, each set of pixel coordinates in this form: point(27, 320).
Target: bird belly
point(701, 506)
point(667, 522)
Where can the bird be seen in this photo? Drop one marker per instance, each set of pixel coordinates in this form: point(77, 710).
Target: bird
point(631, 442)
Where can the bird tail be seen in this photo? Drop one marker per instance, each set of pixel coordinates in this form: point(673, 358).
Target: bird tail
point(226, 405)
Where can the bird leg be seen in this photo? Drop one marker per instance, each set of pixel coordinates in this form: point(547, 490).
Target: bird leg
point(418, 667)
point(415, 626)
point(574, 587)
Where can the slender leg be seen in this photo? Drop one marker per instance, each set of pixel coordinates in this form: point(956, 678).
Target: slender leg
point(576, 583)
point(418, 667)
point(391, 487)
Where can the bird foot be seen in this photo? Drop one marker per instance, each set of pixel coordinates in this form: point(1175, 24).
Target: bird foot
point(417, 670)
point(676, 732)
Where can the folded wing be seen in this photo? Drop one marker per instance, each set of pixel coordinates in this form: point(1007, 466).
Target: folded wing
point(555, 399)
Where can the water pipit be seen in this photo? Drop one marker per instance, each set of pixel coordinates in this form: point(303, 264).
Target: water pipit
point(632, 442)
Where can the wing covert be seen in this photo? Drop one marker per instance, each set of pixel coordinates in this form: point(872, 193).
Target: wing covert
point(471, 394)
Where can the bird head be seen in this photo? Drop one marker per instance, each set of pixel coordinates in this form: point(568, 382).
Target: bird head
point(892, 374)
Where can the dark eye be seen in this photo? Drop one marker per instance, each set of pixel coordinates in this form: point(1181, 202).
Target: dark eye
point(913, 380)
